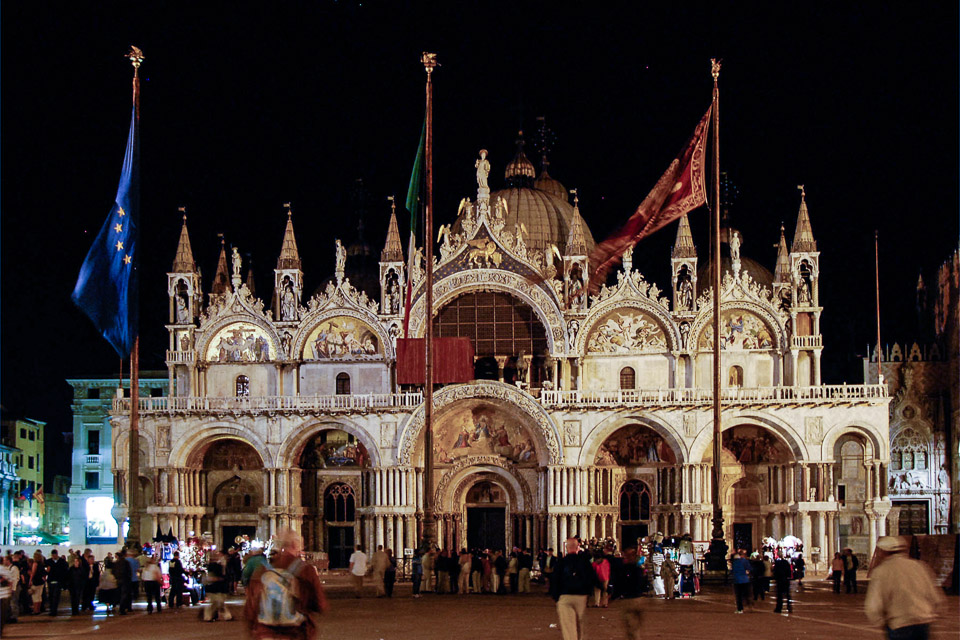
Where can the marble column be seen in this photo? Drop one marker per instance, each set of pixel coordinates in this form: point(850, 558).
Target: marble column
point(872, 518)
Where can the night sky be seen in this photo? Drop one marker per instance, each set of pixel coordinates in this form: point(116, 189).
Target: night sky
point(244, 109)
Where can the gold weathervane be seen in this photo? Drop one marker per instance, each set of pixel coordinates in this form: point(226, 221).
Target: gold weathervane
point(429, 61)
point(135, 56)
point(715, 67)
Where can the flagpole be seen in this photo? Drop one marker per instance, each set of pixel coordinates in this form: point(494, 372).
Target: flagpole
point(133, 472)
point(876, 258)
point(429, 61)
point(718, 549)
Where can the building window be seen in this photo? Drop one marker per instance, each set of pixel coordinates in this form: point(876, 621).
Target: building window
point(634, 502)
point(736, 376)
point(628, 378)
point(92, 480)
point(31, 436)
point(156, 392)
point(339, 503)
point(343, 384)
point(30, 462)
point(93, 443)
point(93, 394)
point(243, 386)
point(23, 433)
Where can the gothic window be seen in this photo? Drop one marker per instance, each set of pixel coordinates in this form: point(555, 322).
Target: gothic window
point(343, 384)
point(736, 376)
point(908, 451)
point(634, 502)
point(896, 461)
point(628, 378)
point(908, 460)
point(920, 460)
point(339, 503)
point(243, 386)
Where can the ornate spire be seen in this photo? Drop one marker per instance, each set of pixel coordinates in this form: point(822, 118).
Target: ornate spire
point(684, 247)
point(803, 237)
point(183, 262)
point(250, 286)
point(221, 279)
point(392, 249)
point(576, 244)
point(289, 255)
point(782, 272)
point(520, 171)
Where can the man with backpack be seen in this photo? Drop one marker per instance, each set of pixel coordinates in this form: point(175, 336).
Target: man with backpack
point(285, 595)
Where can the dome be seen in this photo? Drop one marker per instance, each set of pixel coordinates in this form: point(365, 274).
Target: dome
point(546, 217)
point(546, 183)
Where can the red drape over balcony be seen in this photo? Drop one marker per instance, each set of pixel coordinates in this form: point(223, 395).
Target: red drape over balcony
point(452, 360)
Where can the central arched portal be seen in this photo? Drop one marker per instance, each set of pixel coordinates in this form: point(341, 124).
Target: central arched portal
point(486, 505)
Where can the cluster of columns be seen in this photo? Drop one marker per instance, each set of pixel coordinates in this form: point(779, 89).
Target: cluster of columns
point(396, 486)
point(586, 525)
point(393, 531)
point(573, 486)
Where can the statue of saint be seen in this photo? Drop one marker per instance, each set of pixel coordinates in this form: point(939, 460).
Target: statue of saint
point(735, 247)
point(183, 312)
point(341, 260)
point(483, 169)
point(236, 263)
point(288, 302)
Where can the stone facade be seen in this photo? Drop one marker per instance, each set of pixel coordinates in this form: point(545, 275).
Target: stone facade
point(591, 414)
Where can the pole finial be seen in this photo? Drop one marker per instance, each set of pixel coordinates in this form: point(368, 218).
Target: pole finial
point(429, 61)
point(715, 68)
point(135, 55)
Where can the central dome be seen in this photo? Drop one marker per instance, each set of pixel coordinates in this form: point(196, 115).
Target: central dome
point(539, 203)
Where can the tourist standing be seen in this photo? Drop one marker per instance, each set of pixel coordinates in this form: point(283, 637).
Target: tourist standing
point(740, 570)
point(13, 573)
point(57, 570)
point(390, 574)
point(757, 576)
point(152, 581)
point(175, 570)
point(850, 566)
point(601, 567)
point(38, 580)
point(782, 571)
point(416, 572)
point(837, 569)
point(134, 563)
point(93, 581)
point(296, 616)
point(669, 573)
point(358, 569)
point(500, 572)
point(476, 571)
point(525, 564)
point(513, 570)
point(429, 570)
point(76, 577)
point(109, 594)
point(547, 565)
point(122, 570)
point(379, 567)
point(903, 596)
point(799, 569)
point(217, 588)
point(463, 582)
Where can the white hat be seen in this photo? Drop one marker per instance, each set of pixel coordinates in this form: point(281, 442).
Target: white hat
point(892, 544)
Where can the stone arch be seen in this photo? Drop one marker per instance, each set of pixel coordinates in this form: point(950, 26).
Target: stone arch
point(606, 428)
point(780, 428)
point(704, 321)
point(184, 447)
point(880, 446)
point(474, 280)
point(600, 312)
point(550, 445)
point(288, 456)
point(210, 332)
point(454, 483)
point(121, 449)
point(313, 319)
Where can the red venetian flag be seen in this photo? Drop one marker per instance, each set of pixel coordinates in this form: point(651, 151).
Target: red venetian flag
point(681, 189)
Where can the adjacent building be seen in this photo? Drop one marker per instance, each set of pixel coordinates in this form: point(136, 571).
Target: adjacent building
point(91, 487)
point(589, 414)
point(27, 437)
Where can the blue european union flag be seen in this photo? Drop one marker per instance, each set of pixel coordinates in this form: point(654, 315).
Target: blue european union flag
point(108, 287)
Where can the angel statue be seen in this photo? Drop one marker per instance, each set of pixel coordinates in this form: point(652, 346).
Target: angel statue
point(444, 235)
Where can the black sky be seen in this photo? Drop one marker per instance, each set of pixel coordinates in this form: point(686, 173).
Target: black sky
point(245, 107)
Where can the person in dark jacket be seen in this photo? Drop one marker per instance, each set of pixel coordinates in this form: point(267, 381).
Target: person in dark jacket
point(390, 573)
point(123, 572)
point(77, 577)
point(93, 581)
point(631, 584)
point(57, 570)
point(574, 580)
point(500, 566)
point(782, 572)
point(740, 572)
point(175, 569)
point(757, 571)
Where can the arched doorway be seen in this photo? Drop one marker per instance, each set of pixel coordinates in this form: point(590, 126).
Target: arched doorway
point(486, 510)
point(333, 493)
point(644, 500)
point(757, 468)
point(234, 475)
point(339, 516)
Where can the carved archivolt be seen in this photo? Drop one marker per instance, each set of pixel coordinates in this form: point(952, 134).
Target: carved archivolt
point(469, 471)
point(705, 319)
point(314, 318)
point(463, 282)
point(600, 311)
point(209, 332)
point(547, 430)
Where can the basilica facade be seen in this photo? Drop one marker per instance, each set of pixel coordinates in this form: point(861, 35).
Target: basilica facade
point(589, 414)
